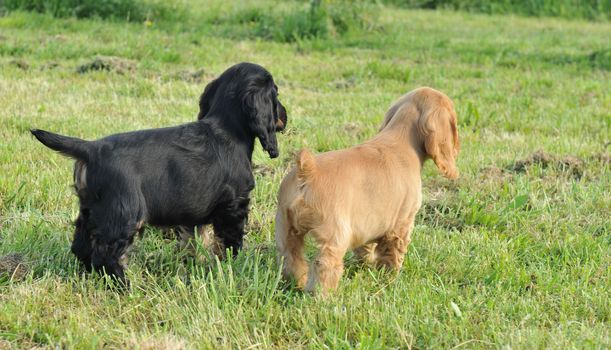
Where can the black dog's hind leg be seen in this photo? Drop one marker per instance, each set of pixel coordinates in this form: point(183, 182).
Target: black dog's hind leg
point(229, 223)
point(117, 225)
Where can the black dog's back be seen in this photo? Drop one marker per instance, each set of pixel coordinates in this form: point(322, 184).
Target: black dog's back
point(181, 171)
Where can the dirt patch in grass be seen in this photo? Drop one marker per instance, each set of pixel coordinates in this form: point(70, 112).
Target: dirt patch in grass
point(21, 64)
point(494, 173)
point(197, 76)
point(49, 65)
point(569, 164)
point(441, 206)
point(13, 266)
point(603, 157)
point(108, 63)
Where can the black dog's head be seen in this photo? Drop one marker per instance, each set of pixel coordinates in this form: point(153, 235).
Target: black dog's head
point(252, 88)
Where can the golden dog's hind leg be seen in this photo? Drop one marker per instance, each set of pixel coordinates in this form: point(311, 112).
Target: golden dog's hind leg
point(290, 244)
point(328, 266)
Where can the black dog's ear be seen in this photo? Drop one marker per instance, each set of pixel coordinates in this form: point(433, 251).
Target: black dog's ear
point(260, 105)
point(206, 99)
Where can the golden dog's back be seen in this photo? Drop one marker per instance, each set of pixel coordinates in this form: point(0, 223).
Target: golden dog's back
point(363, 186)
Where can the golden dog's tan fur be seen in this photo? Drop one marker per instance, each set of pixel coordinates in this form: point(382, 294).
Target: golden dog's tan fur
point(365, 198)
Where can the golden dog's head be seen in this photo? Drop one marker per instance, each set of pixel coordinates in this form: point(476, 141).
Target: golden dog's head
point(432, 113)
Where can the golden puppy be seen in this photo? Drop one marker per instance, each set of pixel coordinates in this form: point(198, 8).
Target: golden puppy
point(365, 198)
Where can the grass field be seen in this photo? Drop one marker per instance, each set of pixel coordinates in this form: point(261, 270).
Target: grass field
point(515, 254)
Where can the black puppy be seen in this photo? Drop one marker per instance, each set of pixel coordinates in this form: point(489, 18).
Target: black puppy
point(193, 174)
point(186, 233)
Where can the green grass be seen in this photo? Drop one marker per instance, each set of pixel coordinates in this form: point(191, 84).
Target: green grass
point(130, 10)
point(501, 258)
point(588, 9)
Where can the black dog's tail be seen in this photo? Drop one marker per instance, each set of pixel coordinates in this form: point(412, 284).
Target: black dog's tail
point(70, 146)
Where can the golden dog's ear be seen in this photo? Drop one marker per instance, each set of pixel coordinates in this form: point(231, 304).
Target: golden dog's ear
point(389, 114)
point(437, 125)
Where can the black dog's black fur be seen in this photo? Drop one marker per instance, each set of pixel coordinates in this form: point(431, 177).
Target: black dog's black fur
point(193, 174)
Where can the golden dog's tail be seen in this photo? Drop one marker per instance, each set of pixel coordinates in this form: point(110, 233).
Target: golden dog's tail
point(306, 165)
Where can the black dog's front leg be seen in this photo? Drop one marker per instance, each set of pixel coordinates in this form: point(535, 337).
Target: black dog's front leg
point(115, 227)
point(102, 254)
point(229, 223)
point(81, 245)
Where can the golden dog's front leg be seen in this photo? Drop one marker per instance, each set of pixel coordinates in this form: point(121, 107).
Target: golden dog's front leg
point(290, 244)
point(294, 261)
point(366, 253)
point(391, 249)
point(327, 267)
